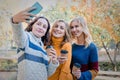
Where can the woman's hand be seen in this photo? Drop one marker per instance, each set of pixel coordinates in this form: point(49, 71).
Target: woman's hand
point(62, 59)
point(52, 54)
point(23, 16)
point(76, 72)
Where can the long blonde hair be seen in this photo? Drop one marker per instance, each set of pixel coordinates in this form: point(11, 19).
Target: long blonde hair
point(82, 21)
point(66, 37)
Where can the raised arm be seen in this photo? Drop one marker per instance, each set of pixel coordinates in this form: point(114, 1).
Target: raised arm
point(18, 31)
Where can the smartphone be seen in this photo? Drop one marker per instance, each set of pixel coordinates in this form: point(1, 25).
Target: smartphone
point(37, 9)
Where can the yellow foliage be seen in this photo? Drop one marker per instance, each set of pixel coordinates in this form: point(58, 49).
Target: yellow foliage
point(73, 8)
point(107, 24)
point(63, 9)
point(73, 0)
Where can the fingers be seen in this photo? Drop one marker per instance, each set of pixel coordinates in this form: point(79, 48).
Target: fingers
point(24, 16)
point(32, 15)
point(54, 60)
point(51, 51)
point(29, 9)
point(62, 59)
point(76, 73)
point(27, 12)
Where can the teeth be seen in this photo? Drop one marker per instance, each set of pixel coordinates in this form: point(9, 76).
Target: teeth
point(57, 32)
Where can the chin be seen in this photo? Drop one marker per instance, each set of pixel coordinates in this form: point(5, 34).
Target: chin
point(56, 36)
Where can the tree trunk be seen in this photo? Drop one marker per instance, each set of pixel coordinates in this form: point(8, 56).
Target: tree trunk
point(116, 52)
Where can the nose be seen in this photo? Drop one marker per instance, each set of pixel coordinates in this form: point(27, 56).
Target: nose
point(41, 25)
point(58, 28)
point(73, 29)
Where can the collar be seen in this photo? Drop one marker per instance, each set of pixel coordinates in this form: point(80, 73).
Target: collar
point(38, 40)
point(57, 41)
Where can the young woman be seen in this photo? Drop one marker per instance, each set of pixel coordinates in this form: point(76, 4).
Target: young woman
point(84, 51)
point(60, 40)
point(33, 62)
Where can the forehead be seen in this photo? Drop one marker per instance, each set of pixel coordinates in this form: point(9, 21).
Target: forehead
point(43, 21)
point(61, 24)
point(75, 22)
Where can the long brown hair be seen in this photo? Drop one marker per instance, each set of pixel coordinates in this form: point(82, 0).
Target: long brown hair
point(45, 37)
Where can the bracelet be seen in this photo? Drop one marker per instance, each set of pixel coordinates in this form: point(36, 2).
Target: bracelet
point(13, 21)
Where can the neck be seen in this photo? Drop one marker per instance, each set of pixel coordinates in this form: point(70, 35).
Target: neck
point(81, 39)
point(57, 40)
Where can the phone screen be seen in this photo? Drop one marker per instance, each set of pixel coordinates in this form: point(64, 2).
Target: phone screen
point(37, 9)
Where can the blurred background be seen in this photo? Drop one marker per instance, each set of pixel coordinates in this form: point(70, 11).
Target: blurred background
point(103, 18)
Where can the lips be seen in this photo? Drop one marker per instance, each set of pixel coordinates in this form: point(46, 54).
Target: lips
point(75, 33)
point(57, 32)
point(40, 31)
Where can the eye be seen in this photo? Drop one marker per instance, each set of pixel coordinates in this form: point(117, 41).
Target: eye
point(39, 23)
point(71, 27)
point(76, 26)
point(56, 26)
point(61, 27)
point(44, 26)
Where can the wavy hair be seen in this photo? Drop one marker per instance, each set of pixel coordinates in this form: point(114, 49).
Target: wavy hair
point(82, 21)
point(66, 37)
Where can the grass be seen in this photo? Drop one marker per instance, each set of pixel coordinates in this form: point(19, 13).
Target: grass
point(107, 66)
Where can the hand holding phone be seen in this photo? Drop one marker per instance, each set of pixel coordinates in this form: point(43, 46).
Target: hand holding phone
point(30, 12)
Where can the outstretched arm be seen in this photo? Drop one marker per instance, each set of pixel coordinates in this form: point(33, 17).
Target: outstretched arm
point(18, 31)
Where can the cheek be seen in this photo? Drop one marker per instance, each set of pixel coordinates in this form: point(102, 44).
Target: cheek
point(54, 30)
point(33, 29)
point(46, 30)
point(63, 31)
point(72, 30)
point(81, 30)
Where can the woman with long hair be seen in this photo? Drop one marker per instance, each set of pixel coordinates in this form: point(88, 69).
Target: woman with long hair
point(60, 40)
point(84, 51)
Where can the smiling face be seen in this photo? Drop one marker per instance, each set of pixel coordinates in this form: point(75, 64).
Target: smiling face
point(39, 28)
point(58, 29)
point(76, 28)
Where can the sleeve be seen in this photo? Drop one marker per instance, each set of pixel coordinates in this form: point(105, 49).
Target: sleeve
point(19, 35)
point(52, 68)
point(93, 63)
point(65, 72)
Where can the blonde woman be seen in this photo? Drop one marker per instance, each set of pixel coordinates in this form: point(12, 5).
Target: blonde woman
point(60, 40)
point(84, 51)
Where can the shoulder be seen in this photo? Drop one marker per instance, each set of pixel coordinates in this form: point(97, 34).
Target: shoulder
point(67, 45)
point(92, 46)
point(29, 36)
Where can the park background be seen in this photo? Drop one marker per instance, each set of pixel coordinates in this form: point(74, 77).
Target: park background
point(103, 18)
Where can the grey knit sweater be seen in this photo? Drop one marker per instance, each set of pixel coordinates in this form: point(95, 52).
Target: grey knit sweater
point(33, 59)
